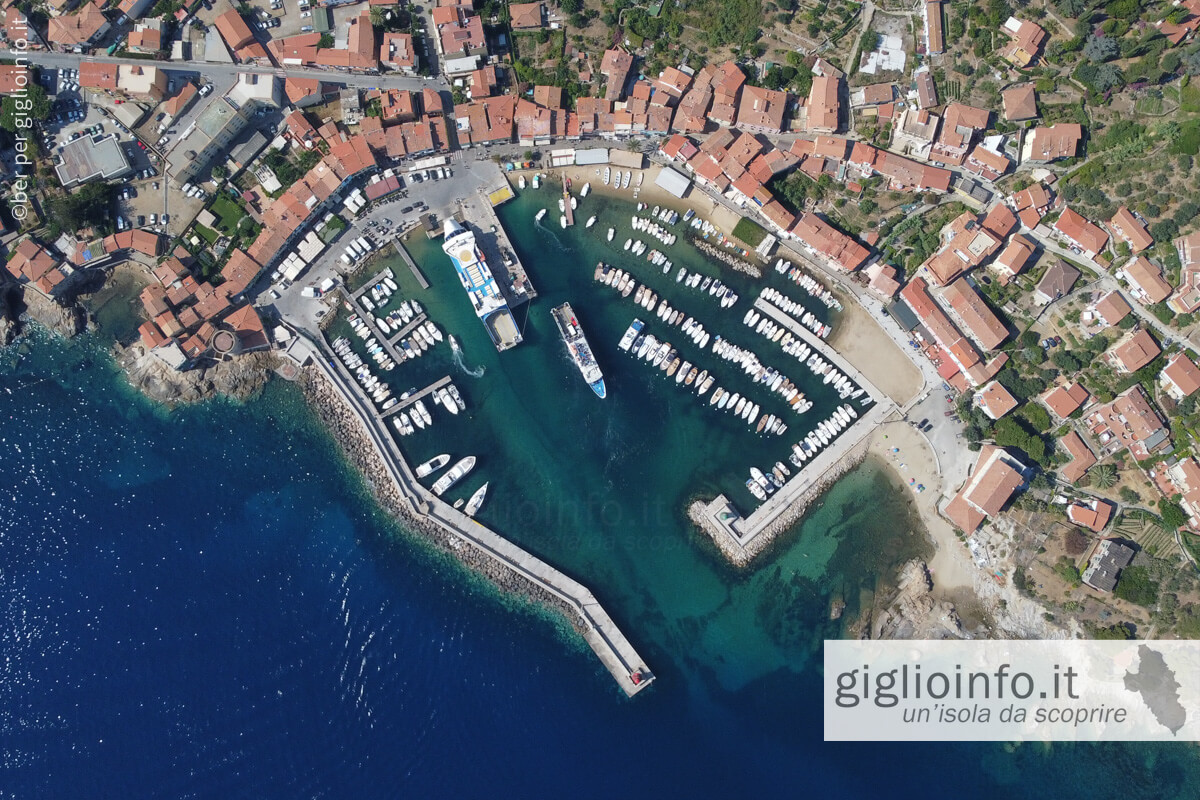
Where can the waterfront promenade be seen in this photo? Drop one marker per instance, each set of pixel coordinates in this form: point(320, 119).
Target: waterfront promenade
point(598, 629)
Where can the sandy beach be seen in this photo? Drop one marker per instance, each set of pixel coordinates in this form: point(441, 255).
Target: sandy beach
point(648, 193)
point(907, 452)
point(864, 344)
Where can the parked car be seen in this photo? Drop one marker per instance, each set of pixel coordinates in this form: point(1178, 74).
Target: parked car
point(154, 219)
point(166, 218)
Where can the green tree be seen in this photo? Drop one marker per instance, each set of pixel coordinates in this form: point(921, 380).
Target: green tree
point(1172, 515)
point(1135, 586)
point(84, 207)
point(1105, 476)
point(34, 106)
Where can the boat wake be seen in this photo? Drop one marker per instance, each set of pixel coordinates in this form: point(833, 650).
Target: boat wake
point(538, 224)
point(477, 372)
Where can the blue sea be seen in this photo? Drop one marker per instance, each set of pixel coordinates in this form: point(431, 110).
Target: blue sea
point(206, 603)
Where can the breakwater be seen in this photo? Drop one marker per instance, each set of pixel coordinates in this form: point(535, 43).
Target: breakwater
point(725, 258)
point(363, 436)
point(722, 522)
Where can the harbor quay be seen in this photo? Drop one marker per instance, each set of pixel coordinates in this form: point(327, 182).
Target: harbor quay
point(497, 248)
point(474, 542)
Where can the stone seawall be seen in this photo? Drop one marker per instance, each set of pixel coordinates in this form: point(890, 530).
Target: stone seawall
point(344, 426)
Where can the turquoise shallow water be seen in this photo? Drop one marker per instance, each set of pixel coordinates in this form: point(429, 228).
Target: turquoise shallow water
point(204, 603)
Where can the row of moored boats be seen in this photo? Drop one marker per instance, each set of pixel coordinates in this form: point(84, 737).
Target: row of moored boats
point(452, 476)
point(375, 388)
point(806, 355)
point(797, 310)
point(663, 355)
point(419, 418)
point(646, 225)
point(774, 380)
point(808, 283)
point(761, 485)
point(704, 283)
point(645, 297)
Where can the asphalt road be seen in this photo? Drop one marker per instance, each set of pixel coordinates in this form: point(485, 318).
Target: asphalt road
point(227, 73)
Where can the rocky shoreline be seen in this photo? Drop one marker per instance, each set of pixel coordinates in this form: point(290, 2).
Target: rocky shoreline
point(343, 425)
point(239, 378)
point(740, 555)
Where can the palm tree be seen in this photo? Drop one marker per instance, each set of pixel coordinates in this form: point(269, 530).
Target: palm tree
point(1105, 476)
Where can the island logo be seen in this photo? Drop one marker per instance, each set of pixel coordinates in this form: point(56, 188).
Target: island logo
point(983, 690)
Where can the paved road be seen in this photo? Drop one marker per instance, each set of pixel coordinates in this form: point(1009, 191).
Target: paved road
point(226, 73)
point(1107, 282)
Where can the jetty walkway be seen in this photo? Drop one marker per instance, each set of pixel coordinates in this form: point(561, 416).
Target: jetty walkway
point(402, 251)
point(407, 329)
point(601, 633)
point(412, 398)
point(820, 345)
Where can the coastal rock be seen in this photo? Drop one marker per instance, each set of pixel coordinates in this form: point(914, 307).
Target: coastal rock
point(8, 315)
point(913, 612)
point(66, 319)
point(239, 378)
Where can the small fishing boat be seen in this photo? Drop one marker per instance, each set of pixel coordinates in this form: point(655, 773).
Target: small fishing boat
point(611, 232)
point(591, 221)
point(538, 216)
point(521, 182)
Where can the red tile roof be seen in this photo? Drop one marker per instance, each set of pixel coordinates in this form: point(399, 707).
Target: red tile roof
point(1082, 458)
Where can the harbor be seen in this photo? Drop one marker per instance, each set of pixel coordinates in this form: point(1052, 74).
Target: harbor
point(382, 460)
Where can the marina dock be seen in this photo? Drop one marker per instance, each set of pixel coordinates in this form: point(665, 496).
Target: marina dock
point(602, 634)
point(412, 398)
point(407, 329)
point(372, 323)
point(570, 212)
point(501, 256)
point(402, 251)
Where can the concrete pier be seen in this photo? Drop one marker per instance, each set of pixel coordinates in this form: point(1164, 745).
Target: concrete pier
point(369, 318)
point(742, 538)
point(376, 278)
point(407, 329)
point(570, 212)
point(821, 346)
point(496, 247)
point(428, 390)
point(601, 633)
point(402, 251)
